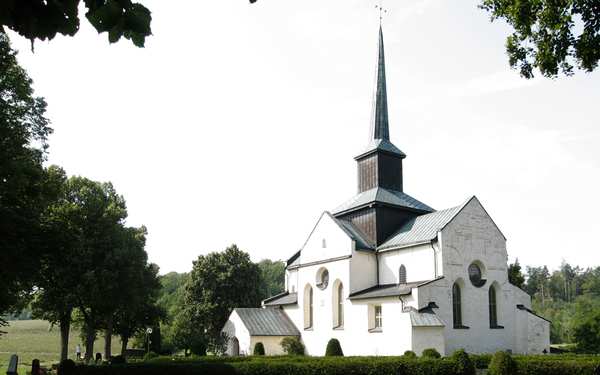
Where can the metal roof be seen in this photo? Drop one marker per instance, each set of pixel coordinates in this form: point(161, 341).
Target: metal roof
point(267, 322)
point(386, 290)
point(285, 298)
point(379, 121)
point(354, 233)
point(421, 228)
point(381, 145)
point(382, 195)
point(425, 318)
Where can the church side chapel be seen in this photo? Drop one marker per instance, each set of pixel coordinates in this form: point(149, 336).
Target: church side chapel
point(384, 273)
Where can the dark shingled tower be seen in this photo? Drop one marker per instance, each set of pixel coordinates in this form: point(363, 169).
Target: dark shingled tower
point(381, 206)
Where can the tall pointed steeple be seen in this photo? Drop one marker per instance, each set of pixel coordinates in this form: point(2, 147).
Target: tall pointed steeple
point(381, 206)
point(379, 121)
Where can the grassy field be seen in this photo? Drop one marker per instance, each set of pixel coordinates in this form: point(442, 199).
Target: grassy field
point(31, 339)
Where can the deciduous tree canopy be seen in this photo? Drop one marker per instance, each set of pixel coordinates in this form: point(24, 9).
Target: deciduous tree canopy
point(41, 19)
point(551, 36)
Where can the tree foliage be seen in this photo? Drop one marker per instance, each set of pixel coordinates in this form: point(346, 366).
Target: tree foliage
point(515, 276)
point(41, 19)
point(24, 130)
point(218, 283)
point(272, 277)
point(551, 36)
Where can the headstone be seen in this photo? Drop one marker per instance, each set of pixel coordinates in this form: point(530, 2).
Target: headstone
point(12, 365)
point(35, 367)
point(98, 358)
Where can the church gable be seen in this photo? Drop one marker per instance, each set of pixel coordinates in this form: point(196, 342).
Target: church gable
point(473, 236)
point(328, 240)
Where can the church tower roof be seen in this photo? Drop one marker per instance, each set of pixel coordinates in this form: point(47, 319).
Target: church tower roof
point(380, 129)
point(381, 206)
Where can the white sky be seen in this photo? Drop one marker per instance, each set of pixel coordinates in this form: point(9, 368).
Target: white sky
point(238, 123)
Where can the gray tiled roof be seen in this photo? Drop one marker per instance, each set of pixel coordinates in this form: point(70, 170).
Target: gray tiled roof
point(383, 145)
point(382, 195)
point(387, 290)
point(421, 228)
point(267, 322)
point(285, 298)
point(425, 318)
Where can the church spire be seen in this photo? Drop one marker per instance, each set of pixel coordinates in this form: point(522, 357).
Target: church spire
point(379, 122)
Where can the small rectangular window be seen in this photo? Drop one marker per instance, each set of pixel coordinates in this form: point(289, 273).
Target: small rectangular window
point(378, 317)
point(324, 243)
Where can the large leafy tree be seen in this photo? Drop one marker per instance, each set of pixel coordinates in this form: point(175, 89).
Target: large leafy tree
point(552, 36)
point(24, 130)
point(515, 276)
point(42, 19)
point(272, 277)
point(219, 282)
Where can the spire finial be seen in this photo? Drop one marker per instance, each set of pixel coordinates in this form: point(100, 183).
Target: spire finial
point(382, 11)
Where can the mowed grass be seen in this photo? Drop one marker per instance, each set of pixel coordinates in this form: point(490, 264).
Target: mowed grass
point(31, 339)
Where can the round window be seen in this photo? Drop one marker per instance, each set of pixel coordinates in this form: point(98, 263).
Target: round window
point(475, 275)
point(322, 278)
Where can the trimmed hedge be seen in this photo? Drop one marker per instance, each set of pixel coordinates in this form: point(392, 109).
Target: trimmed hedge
point(304, 365)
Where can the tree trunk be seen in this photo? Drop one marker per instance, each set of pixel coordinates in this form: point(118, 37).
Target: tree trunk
point(124, 341)
point(65, 328)
point(108, 339)
point(90, 337)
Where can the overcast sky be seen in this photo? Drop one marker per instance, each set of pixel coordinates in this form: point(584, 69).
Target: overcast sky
point(238, 123)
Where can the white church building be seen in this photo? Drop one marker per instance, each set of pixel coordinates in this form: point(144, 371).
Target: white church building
point(384, 273)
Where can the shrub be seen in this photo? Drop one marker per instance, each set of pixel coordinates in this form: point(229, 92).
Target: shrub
point(502, 363)
point(334, 349)
point(66, 367)
point(292, 346)
point(259, 349)
point(117, 360)
point(410, 354)
point(462, 363)
point(150, 355)
point(431, 353)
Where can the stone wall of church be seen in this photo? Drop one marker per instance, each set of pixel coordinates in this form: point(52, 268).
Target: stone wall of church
point(235, 329)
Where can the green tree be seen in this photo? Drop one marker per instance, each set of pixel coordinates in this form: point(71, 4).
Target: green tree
point(96, 213)
point(551, 36)
point(24, 130)
point(587, 333)
point(41, 19)
point(272, 277)
point(515, 276)
point(219, 282)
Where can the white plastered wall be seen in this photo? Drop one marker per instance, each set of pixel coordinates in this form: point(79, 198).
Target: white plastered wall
point(428, 337)
point(356, 273)
point(234, 327)
point(418, 260)
point(272, 344)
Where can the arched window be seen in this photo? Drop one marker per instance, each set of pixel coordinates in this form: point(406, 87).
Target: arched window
point(338, 304)
point(493, 307)
point(308, 307)
point(456, 306)
point(402, 275)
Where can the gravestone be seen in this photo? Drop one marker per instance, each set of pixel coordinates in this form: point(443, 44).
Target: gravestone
point(12, 365)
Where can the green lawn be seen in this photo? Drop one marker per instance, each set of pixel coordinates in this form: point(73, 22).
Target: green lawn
point(31, 339)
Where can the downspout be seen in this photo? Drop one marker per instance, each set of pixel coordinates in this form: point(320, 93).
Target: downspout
point(435, 270)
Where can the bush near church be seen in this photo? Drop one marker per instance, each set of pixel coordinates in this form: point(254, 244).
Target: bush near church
point(502, 364)
point(463, 363)
point(259, 349)
point(334, 349)
point(292, 346)
point(431, 353)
